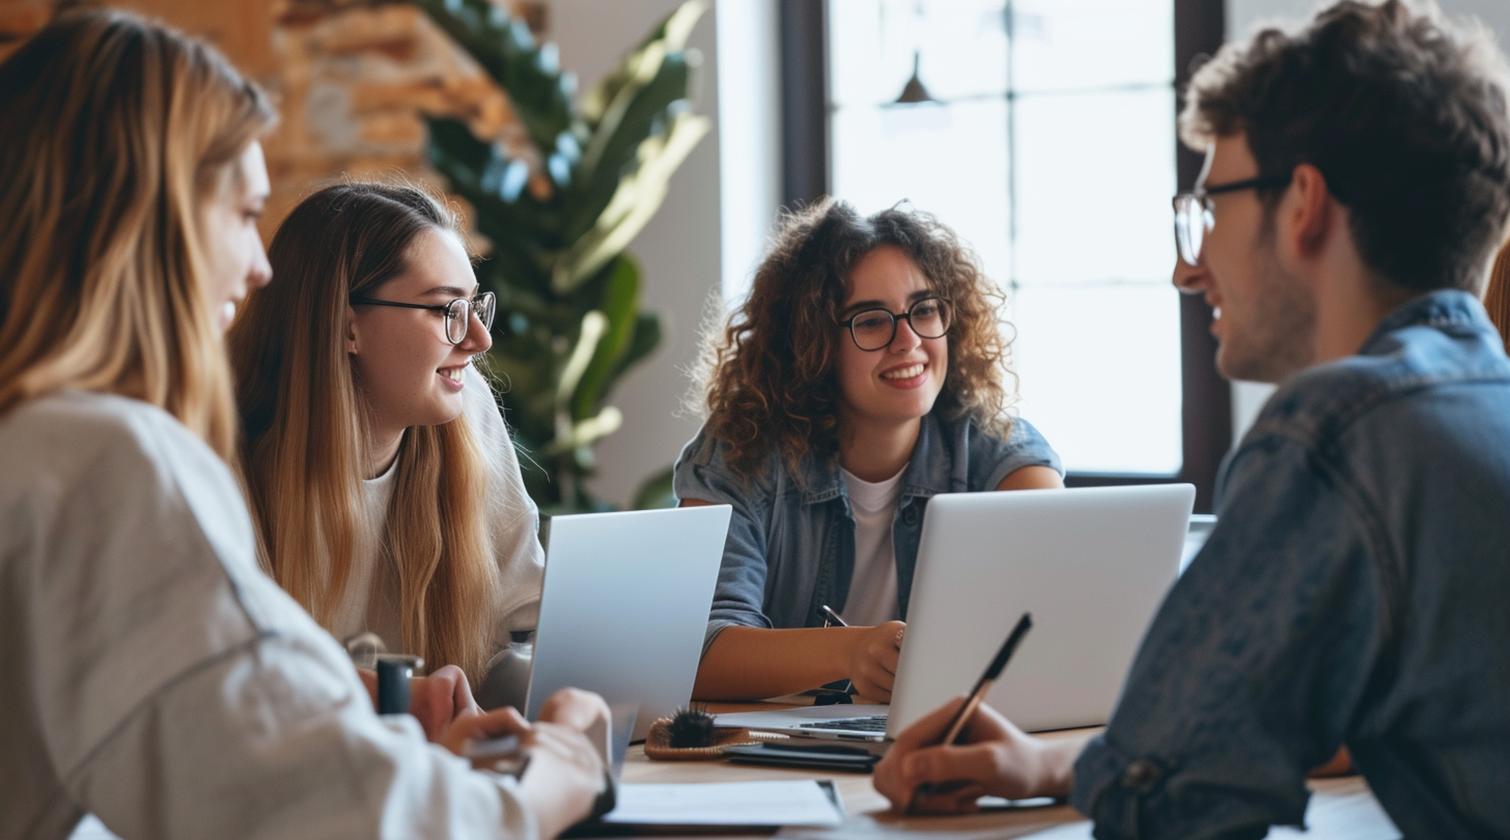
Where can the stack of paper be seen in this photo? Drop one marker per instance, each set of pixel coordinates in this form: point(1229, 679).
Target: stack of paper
point(805, 803)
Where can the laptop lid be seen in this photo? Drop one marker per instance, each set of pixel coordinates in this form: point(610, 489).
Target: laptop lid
point(1091, 565)
point(624, 607)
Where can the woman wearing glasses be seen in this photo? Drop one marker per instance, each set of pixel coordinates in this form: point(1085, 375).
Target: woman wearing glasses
point(155, 677)
point(865, 373)
point(385, 488)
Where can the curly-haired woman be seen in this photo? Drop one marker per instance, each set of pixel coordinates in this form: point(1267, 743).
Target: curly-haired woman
point(865, 373)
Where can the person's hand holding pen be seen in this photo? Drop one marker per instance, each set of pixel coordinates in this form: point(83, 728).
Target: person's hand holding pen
point(871, 659)
point(991, 757)
point(966, 750)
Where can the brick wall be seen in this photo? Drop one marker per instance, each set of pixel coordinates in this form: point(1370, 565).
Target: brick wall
point(350, 79)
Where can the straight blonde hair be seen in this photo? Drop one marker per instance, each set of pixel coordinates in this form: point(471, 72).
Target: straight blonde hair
point(114, 132)
point(306, 434)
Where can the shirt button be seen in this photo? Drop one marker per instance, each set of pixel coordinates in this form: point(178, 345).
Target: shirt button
point(910, 516)
point(1140, 775)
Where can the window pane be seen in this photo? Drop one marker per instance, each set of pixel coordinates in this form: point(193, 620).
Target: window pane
point(1061, 183)
point(1094, 176)
point(1099, 372)
point(1065, 44)
point(946, 159)
point(961, 44)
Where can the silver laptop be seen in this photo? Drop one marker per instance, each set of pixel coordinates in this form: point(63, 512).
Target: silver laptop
point(625, 606)
point(1090, 564)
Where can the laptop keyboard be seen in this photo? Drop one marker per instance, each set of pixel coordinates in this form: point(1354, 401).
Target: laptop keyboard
point(876, 723)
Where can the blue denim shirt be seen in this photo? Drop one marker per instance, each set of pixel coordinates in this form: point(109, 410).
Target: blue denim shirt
point(1353, 592)
point(791, 545)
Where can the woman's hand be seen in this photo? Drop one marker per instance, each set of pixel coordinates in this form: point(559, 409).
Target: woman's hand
point(871, 660)
point(565, 773)
point(435, 700)
point(993, 757)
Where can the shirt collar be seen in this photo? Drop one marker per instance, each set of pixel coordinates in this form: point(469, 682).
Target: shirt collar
point(1441, 308)
point(927, 472)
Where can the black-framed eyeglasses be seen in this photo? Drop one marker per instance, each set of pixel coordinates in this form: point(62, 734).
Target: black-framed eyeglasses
point(1193, 216)
point(873, 329)
point(458, 312)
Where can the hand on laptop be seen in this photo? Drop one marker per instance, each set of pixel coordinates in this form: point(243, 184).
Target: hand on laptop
point(871, 663)
point(565, 773)
point(436, 700)
point(993, 757)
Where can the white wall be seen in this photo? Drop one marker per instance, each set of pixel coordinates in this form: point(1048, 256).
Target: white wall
point(1242, 17)
point(710, 230)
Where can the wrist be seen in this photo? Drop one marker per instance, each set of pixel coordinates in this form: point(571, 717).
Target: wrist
point(1054, 766)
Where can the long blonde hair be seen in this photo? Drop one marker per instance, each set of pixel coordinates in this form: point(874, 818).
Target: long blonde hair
point(306, 433)
point(114, 132)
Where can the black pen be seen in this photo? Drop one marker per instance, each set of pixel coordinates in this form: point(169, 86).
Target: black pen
point(834, 617)
point(978, 695)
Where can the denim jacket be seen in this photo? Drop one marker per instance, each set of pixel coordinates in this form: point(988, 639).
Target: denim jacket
point(791, 545)
point(1353, 592)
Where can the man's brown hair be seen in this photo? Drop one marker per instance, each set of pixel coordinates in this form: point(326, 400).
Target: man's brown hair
point(1403, 113)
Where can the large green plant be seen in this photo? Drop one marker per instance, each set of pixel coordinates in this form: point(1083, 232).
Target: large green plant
point(569, 322)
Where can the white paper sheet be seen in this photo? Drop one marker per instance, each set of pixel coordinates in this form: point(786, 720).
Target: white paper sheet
point(725, 804)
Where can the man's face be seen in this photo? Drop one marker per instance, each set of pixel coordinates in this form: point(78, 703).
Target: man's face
point(1264, 318)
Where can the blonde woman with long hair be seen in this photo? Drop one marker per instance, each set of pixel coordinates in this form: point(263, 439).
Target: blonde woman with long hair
point(155, 676)
point(385, 488)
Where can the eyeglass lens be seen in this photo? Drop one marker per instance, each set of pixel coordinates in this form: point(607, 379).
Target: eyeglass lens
point(875, 328)
point(459, 315)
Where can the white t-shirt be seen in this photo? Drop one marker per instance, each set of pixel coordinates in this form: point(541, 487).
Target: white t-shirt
point(158, 679)
point(370, 600)
point(873, 585)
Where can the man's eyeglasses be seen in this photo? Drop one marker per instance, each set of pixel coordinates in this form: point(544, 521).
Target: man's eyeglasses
point(458, 312)
point(1193, 216)
point(873, 329)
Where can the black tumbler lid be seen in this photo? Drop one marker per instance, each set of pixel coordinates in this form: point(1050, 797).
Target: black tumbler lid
point(393, 686)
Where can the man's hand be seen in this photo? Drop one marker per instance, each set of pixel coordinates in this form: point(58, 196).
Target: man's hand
point(993, 757)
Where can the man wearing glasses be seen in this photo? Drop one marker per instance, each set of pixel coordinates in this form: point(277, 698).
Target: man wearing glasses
point(1357, 182)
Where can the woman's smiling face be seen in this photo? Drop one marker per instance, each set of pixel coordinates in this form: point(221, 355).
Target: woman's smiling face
point(899, 382)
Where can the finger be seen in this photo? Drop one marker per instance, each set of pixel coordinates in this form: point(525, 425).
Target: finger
point(983, 764)
point(432, 712)
point(369, 682)
point(930, 728)
point(461, 690)
point(887, 777)
point(448, 687)
point(574, 709)
point(568, 745)
point(963, 799)
point(493, 724)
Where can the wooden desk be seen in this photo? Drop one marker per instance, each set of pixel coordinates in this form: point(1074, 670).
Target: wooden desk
point(1340, 807)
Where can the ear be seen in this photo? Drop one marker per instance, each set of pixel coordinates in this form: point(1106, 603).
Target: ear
point(349, 329)
point(1307, 216)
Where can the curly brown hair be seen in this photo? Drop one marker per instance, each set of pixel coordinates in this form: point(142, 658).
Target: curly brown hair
point(1403, 112)
point(767, 374)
